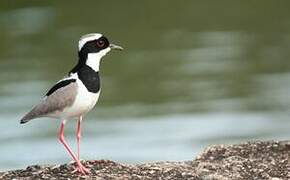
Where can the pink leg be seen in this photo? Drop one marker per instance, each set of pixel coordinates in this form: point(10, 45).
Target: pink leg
point(79, 134)
point(80, 167)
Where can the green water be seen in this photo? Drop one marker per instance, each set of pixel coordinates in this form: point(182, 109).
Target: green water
point(222, 65)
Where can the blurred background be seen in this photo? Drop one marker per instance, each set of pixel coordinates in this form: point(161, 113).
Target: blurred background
point(194, 74)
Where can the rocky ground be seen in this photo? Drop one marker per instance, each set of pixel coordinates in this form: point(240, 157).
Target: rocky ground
point(253, 160)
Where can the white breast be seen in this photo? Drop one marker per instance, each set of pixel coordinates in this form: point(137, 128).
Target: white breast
point(83, 103)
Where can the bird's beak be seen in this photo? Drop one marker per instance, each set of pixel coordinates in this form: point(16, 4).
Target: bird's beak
point(113, 46)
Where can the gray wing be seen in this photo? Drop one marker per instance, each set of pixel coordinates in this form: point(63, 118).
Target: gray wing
point(55, 102)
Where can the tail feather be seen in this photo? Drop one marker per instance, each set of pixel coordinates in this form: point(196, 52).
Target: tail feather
point(25, 119)
point(29, 116)
point(22, 121)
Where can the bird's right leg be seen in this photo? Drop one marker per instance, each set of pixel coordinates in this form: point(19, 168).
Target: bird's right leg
point(80, 167)
point(79, 134)
point(79, 140)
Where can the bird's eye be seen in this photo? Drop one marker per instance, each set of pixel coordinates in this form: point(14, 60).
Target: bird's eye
point(100, 43)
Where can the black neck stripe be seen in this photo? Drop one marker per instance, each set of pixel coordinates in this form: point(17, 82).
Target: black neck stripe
point(82, 62)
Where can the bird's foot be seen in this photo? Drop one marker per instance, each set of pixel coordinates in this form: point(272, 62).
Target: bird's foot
point(82, 169)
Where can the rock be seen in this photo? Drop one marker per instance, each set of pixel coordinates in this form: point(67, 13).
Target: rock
point(252, 160)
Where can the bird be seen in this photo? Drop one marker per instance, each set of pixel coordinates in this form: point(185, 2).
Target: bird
point(77, 93)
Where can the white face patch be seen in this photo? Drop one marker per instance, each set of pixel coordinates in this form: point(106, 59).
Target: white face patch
point(88, 37)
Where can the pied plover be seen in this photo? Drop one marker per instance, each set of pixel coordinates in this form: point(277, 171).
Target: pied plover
point(77, 93)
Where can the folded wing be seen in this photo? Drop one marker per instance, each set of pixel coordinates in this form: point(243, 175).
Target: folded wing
point(59, 97)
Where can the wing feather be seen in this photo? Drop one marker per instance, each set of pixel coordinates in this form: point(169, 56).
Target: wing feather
point(57, 99)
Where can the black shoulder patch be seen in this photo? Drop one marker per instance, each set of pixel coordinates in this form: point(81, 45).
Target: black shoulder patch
point(90, 78)
point(60, 85)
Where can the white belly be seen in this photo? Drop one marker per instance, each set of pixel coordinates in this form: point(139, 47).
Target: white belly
point(83, 103)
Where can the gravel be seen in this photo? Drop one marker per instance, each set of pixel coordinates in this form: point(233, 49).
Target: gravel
point(252, 160)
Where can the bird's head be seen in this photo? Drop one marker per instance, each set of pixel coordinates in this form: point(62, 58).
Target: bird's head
point(96, 44)
point(92, 47)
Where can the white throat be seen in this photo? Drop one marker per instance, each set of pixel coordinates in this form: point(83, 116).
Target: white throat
point(94, 60)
